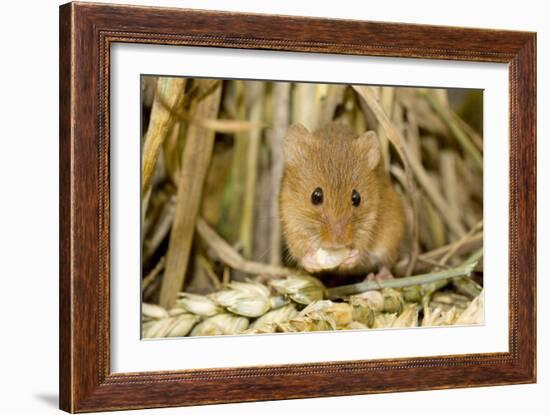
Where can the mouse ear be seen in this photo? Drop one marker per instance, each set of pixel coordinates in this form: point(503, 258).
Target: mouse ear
point(369, 146)
point(293, 142)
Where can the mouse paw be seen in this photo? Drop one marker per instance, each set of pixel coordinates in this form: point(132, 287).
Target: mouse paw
point(383, 274)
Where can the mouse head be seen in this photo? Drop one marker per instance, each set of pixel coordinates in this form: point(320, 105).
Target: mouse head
point(329, 195)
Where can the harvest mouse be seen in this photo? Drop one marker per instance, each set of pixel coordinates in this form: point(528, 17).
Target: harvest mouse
point(338, 209)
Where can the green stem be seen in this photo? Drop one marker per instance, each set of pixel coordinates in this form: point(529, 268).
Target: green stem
point(462, 271)
point(475, 257)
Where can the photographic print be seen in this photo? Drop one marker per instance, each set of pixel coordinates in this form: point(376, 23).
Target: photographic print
point(284, 207)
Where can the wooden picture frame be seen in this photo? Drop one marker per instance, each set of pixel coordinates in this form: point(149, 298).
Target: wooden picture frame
point(86, 33)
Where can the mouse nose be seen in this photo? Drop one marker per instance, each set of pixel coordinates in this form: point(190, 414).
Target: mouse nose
point(338, 235)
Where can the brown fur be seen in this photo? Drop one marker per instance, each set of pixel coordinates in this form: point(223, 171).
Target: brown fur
point(336, 160)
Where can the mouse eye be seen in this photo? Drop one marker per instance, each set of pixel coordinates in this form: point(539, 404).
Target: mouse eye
point(355, 198)
point(317, 196)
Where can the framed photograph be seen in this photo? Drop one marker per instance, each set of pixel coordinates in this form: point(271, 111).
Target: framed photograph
point(258, 207)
